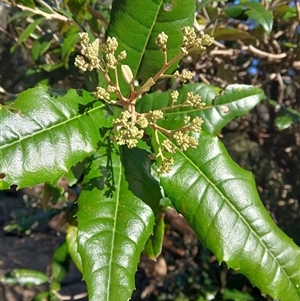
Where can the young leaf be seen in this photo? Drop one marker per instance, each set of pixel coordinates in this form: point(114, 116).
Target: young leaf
point(220, 202)
point(113, 227)
point(136, 24)
point(45, 132)
point(71, 240)
point(234, 101)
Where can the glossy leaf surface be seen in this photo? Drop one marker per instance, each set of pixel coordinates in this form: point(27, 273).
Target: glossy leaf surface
point(136, 24)
point(220, 202)
point(221, 106)
point(45, 132)
point(71, 240)
point(113, 227)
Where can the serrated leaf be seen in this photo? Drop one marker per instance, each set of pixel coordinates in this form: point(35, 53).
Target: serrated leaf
point(113, 227)
point(220, 202)
point(234, 101)
point(71, 240)
point(45, 132)
point(136, 24)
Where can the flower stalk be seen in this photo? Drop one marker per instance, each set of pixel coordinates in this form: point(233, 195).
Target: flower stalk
point(129, 127)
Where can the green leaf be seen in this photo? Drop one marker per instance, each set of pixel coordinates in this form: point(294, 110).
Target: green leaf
point(136, 164)
point(71, 239)
point(285, 116)
point(233, 294)
point(28, 3)
point(26, 33)
point(69, 43)
point(113, 227)
point(45, 132)
point(220, 202)
point(154, 244)
point(60, 262)
point(230, 34)
point(78, 8)
point(255, 11)
point(41, 45)
point(234, 101)
point(25, 277)
point(136, 24)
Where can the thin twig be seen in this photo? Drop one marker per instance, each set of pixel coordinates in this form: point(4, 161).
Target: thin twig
point(263, 54)
point(48, 16)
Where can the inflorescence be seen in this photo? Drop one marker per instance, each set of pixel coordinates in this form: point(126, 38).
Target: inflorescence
point(129, 127)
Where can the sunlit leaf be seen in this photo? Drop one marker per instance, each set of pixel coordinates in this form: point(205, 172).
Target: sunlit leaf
point(113, 227)
point(220, 202)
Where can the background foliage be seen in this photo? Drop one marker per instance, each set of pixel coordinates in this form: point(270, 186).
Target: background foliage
point(266, 141)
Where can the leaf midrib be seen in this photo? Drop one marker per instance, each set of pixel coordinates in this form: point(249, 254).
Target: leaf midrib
point(235, 210)
point(148, 38)
point(114, 231)
point(49, 128)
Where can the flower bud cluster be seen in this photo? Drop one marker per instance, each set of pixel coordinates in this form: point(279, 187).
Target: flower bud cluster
point(129, 127)
point(101, 93)
point(191, 42)
point(161, 41)
point(109, 48)
point(184, 76)
point(127, 132)
point(181, 139)
point(194, 100)
point(89, 59)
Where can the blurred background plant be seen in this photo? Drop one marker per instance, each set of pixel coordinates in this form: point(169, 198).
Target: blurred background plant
point(256, 42)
